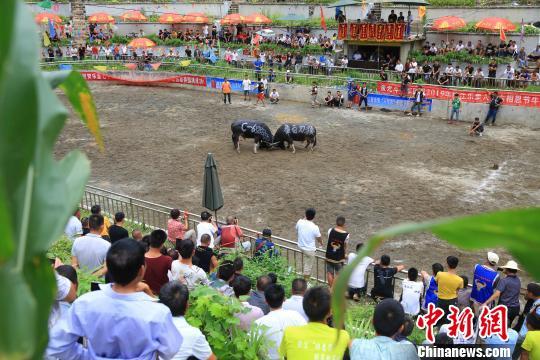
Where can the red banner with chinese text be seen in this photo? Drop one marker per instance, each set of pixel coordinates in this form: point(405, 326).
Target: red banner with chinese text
point(342, 31)
point(510, 98)
point(389, 30)
point(144, 78)
point(363, 31)
point(371, 32)
point(355, 31)
point(399, 31)
point(379, 35)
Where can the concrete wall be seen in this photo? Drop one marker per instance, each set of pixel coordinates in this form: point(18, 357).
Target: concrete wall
point(528, 13)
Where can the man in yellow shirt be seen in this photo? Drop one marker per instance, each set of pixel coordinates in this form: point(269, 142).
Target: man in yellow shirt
point(316, 340)
point(96, 210)
point(448, 283)
point(531, 345)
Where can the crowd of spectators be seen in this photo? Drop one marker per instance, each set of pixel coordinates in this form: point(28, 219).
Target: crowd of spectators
point(139, 312)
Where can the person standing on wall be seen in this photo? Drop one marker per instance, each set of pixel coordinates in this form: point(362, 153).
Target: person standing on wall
point(226, 89)
point(494, 105)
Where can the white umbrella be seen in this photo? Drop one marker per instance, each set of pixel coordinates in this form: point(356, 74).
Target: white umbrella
point(266, 33)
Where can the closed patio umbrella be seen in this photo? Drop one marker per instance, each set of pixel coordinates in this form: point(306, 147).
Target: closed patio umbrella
point(212, 198)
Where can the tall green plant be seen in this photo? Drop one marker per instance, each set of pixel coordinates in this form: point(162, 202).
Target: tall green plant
point(516, 230)
point(37, 192)
point(214, 314)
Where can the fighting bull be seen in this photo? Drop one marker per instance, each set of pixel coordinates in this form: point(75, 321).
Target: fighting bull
point(249, 129)
point(287, 134)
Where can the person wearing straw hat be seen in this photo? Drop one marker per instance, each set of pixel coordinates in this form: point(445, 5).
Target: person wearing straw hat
point(508, 290)
point(485, 279)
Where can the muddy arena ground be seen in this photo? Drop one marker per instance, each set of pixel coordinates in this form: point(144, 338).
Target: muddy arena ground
point(377, 169)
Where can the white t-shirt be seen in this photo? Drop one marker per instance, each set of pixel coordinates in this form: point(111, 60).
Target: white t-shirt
point(190, 275)
point(294, 303)
point(358, 279)
point(193, 341)
point(399, 67)
point(234, 56)
point(307, 232)
point(90, 251)
point(274, 95)
point(205, 228)
point(73, 228)
point(246, 84)
point(412, 290)
point(277, 321)
point(265, 83)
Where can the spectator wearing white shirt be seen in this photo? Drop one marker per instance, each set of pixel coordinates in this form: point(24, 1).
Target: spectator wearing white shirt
point(412, 291)
point(460, 46)
point(457, 76)
point(206, 226)
point(175, 296)
point(74, 226)
point(246, 86)
point(89, 251)
point(357, 282)
point(399, 66)
point(295, 302)
point(183, 269)
point(274, 97)
point(277, 320)
point(308, 234)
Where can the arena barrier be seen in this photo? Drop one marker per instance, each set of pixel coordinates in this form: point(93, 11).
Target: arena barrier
point(150, 215)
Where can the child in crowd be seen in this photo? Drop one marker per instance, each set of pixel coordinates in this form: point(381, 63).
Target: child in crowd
point(431, 285)
point(477, 128)
point(412, 291)
point(464, 295)
point(456, 106)
point(531, 344)
point(339, 99)
point(260, 93)
point(329, 100)
point(408, 327)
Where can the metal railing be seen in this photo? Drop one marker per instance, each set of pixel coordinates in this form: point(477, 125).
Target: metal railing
point(330, 77)
point(155, 216)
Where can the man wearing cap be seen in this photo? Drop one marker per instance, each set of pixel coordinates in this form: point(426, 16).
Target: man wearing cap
point(485, 280)
point(265, 244)
point(507, 291)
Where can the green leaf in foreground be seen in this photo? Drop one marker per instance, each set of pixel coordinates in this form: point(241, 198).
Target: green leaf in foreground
point(516, 230)
point(38, 192)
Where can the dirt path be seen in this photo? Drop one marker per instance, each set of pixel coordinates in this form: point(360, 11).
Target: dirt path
point(377, 169)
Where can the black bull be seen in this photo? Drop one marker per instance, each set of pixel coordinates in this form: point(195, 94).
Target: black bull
point(286, 134)
point(250, 129)
point(262, 136)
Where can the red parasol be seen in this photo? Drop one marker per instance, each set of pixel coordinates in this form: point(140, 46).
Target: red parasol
point(141, 43)
point(195, 18)
point(495, 23)
point(44, 18)
point(133, 15)
point(170, 18)
point(101, 18)
point(447, 23)
point(233, 19)
point(257, 19)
